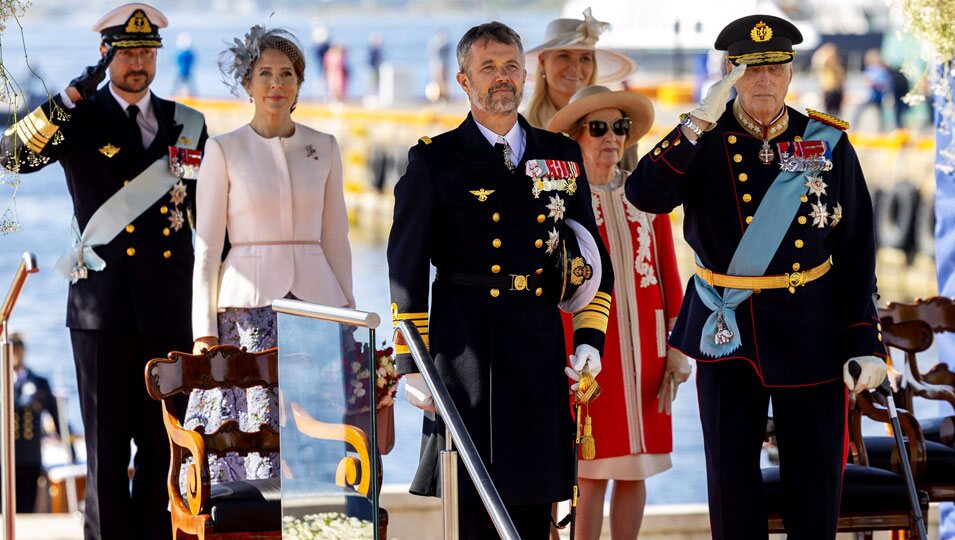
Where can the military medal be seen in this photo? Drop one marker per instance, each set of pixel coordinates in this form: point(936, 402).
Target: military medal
point(552, 175)
point(766, 154)
point(184, 163)
point(801, 156)
point(723, 334)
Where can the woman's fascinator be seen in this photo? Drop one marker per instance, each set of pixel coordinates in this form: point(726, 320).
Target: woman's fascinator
point(235, 63)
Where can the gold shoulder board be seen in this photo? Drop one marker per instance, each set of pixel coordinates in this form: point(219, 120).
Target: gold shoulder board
point(425, 140)
point(829, 120)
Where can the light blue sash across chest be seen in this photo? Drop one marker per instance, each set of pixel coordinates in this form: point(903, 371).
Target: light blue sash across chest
point(756, 249)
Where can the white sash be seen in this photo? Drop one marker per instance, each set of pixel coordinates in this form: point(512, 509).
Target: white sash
point(126, 205)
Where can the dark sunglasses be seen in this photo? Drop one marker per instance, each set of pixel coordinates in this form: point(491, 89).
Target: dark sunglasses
point(598, 128)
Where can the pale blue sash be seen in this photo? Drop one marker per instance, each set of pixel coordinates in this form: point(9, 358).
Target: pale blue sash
point(126, 204)
point(756, 250)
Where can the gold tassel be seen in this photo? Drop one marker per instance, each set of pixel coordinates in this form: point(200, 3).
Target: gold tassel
point(588, 449)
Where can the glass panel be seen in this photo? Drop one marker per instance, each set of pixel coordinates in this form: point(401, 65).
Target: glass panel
point(327, 433)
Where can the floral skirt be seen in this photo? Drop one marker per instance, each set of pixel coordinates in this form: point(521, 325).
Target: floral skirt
point(254, 329)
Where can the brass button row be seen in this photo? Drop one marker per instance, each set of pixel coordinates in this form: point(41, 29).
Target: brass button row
point(747, 197)
point(743, 177)
point(497, 292)
point(802, 220)
point(495, 217)
point(731, 139)
point(737, 158)
point(131, 251)
point(496, 243)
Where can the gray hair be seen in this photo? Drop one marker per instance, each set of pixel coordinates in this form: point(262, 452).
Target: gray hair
point(492, 31)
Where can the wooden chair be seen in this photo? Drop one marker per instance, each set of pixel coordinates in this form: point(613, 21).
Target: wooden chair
point(873, 499)
point(241, 509)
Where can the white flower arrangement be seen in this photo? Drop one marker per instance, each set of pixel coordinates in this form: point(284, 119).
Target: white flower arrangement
point(325, 526)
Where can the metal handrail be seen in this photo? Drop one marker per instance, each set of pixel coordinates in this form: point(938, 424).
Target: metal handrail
point(455, 426)
point(7, 468)
point(354, 317)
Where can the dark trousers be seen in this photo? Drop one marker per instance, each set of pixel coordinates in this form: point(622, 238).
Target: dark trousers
point(812, 436)
point(27, 477)
point(117, 409)
point(532, 521)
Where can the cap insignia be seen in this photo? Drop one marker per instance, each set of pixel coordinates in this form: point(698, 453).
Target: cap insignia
point(761, 33)
point(139, 23)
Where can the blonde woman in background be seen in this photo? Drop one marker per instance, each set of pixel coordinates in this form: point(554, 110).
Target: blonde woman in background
point(567, 61)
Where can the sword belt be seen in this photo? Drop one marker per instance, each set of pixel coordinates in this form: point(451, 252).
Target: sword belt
point(777, 281)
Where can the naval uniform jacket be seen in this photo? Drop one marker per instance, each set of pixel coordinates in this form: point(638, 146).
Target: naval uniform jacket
point(499, 351)
point(791, 339)
point(146, 286)
point(31, 396)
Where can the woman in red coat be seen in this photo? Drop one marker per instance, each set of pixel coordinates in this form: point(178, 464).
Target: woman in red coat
point(639, 376)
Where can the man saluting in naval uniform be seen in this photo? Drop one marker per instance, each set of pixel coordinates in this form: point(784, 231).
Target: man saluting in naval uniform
point(130, 160)
point(779, 216)
point(494, 205)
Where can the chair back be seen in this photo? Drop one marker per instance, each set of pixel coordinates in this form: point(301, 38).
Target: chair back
point(219, 367)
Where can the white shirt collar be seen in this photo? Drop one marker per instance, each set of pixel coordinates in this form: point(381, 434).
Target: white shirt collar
point(516, 138)
point(145, 103)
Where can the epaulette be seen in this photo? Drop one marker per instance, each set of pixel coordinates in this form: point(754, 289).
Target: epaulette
point(425, 140)
point(565, 134)
point(829, 120)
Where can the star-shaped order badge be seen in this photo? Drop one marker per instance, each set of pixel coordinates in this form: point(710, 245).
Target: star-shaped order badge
point(816, 186)
point(177, 195)
point(176, 219)
point(820, 216)
point(556, 207)
point(836, 215)
point(553, 238)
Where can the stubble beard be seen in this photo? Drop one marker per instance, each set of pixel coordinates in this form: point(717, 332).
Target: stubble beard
point(125, 82)
point(501, 104)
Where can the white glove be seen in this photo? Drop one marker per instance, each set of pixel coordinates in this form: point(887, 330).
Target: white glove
point(714, 104)
point(417, 392)
point(677, 371)
point(584, 355)
point(872, 375)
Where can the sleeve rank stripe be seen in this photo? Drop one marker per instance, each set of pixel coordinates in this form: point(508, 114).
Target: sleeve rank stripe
point(595, 309)
point(36, 130)
point(588, 319)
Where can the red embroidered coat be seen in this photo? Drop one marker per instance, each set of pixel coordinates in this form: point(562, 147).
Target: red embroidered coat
point(646, 297)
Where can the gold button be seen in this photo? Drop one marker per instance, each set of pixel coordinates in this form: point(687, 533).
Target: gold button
point(166, 254)
point(130, 251)
point(538, 272)
point(737, 158)
point(495, 269)
point(676, 142)
point(749, 219)
point(797, 138)
point(796, 267)
point(541, 218)
point(656, 151)
point(731, 139)
point(799, 243)
point(130, 228)
point(163, 210)
point(878, 326)
point(495, 217)
point(743, 177)
point(538, 243)
point(880, 336)
point(125, 182)
point(165, 232)
point(803, 198)
point(747, 197)
point(665, 144)
point(538, 292)
point(802, 220)
point(496, 242)
point(495, 293)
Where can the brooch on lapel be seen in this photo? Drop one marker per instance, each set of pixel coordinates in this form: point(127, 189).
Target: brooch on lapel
point(552, 175)
point(311, 152)
point(109, 150)
point(184, 162)
point(800, 156)
point(482, 194)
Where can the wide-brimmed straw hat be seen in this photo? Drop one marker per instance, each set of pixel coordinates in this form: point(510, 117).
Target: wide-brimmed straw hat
point(582, 34)
point(593, 98)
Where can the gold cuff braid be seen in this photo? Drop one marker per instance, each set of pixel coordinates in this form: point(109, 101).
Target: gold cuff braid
point(35, 130)
point(595, 315)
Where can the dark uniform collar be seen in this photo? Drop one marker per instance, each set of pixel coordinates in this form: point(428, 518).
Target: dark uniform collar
point(479, 151)
point(755, 128)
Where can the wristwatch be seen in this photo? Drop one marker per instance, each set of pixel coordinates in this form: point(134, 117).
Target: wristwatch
point(686, 120)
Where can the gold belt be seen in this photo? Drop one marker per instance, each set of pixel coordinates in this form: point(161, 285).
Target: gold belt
point(756, 283)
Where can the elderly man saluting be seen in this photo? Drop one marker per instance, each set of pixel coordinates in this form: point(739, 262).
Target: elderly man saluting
point(779, 216)
point(131, 161)
point(488, 204)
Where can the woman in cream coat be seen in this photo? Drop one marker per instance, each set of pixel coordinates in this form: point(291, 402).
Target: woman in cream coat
point(276, 187)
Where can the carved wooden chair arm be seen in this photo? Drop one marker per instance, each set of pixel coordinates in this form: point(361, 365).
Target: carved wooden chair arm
point(935, 392)
point(910, 430)
point(198, 485)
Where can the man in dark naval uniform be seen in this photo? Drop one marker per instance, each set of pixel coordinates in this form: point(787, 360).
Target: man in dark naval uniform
point(487, 205)
point(779, 216)
point(130, 160)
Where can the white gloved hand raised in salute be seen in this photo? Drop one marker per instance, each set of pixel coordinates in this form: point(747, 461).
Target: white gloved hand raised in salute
point(714, 104)
point(873, 370)
point(584, 355)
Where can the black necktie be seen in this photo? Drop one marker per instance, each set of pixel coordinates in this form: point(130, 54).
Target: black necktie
point(505, 151)
point(135, 133)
